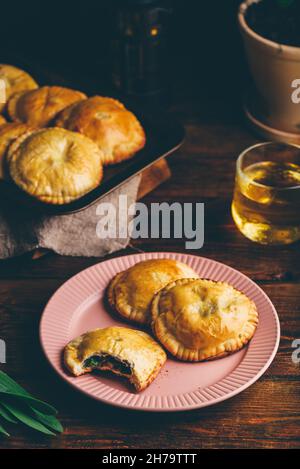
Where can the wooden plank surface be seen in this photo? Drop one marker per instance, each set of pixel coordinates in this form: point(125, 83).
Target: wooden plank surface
point(265, 415)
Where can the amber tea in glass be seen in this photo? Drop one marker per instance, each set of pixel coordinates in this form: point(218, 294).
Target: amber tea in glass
point(266, 201)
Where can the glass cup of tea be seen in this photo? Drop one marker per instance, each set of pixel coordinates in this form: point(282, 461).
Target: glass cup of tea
point(266, 201)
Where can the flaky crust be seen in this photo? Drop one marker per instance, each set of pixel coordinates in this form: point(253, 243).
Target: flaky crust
point(130, 292)
point(39, 107)
point(2, 120)
point(8, 134)
point(16, 80)
point(197, 319)
point(55, 165)
point(142, 353)
point(108, 123)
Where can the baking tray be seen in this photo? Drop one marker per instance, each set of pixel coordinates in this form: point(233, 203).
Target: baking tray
point(164, 135)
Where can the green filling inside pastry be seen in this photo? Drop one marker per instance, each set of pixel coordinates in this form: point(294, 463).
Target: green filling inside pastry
point(108, 362)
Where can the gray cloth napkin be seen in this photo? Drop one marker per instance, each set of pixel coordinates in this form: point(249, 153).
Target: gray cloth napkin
point(71, 235)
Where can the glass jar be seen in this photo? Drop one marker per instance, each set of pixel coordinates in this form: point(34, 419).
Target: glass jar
point(140, 56)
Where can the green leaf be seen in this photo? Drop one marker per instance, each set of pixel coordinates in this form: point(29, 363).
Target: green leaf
point(25, 418)
point(37, 404)
point(3, 431)
point(16, 404)
point(8, 384)
point(9, 387)
point(6, 415)
point(49, 420)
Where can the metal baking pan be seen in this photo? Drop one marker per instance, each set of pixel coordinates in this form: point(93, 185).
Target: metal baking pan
point(164, 136)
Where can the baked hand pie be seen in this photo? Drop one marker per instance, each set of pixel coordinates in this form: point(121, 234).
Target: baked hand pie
point(108, 123)
point(130, 292)
point(16, 80)
point(39, 107)
point(196, 319)
point(55, 165)
point(8, 134)
point(125, 352)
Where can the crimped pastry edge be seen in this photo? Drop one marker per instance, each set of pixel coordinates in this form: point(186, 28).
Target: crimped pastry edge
point(128, 312)
point(13, 101)
point(181, 352)
point(18, 141)
point(138, 318)
point(77, 369)
point(6, 174)
point(53, 199)
point(12, 105)
point(118, 155)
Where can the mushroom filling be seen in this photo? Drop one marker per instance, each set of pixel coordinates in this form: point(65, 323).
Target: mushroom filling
point(108, 362)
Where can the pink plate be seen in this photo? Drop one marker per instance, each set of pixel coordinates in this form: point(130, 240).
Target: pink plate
point(78, 306)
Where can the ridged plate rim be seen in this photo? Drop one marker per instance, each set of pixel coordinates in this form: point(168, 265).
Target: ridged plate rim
point(260, 352)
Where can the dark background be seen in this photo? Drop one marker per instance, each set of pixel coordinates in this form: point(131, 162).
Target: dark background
point(67, 43)
point(71, 40)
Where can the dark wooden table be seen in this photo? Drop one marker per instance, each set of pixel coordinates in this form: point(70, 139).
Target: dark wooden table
point(266, 415)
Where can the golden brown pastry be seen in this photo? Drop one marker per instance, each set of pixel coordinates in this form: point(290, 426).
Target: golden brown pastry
point(16, 80)
point(126, 352)
point(106, 121)
point(2, 120)
point(39, 107)
point(130, 292)
point(198, 319)
point(8, 134)
point(55, 165)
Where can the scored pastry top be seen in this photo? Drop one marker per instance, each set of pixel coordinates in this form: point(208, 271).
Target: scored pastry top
point(108, 123)
point(198, 319)
point(130, 292)
point(39, 107)
point(55, 165)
